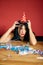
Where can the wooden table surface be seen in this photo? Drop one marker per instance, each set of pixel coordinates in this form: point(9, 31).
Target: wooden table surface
point(16, 59)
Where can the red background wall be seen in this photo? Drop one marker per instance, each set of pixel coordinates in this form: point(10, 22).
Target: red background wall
point(11, 10)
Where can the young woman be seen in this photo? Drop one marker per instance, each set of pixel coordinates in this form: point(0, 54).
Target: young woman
point(23, 33)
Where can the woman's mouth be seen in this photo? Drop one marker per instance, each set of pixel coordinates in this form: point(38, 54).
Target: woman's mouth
point(22, 34)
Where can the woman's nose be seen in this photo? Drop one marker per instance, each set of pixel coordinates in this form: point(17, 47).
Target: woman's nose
point(22, 31)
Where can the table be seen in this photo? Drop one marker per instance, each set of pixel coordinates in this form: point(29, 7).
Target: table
point(16, 59)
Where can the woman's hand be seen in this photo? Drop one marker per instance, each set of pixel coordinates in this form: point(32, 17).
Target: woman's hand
point(14, 25)
point(29, 24)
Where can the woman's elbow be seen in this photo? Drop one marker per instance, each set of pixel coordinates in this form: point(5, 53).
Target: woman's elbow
point(34, 42)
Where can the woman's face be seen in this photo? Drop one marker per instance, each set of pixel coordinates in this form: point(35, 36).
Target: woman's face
point(22, 31)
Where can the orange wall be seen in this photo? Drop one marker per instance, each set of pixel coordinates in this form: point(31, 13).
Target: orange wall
point(11, 10)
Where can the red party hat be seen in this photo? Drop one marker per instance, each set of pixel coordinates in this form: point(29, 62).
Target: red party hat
point(23, 17)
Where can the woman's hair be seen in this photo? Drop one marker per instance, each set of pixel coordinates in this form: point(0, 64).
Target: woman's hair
point(26, 37)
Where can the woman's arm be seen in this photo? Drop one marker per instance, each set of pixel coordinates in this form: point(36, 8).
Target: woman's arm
point(5, 36)
point(32, 36)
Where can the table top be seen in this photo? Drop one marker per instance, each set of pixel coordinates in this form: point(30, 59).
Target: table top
point(34, 58)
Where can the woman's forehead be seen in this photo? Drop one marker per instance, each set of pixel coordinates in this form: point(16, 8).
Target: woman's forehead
point(23, 26)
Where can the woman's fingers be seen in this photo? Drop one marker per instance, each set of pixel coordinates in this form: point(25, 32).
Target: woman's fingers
point(15, 24)
point(29, 24)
